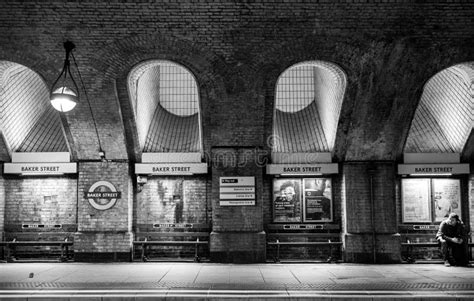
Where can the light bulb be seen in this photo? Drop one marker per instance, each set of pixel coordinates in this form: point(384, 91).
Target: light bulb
point(63, 99)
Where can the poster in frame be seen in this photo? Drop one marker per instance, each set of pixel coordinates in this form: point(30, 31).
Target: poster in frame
point(286, 200)
point(416, 201)
point(446, 198)
point(317, 200)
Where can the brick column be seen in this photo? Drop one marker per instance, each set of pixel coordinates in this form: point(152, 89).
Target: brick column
point(370, 236)
point(2, 210)
point(104, 234)
point(237, 231)
point(471, 202)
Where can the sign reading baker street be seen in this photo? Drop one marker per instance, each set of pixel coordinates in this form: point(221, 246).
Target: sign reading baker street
point(302, 169)
point(170, 168)
point(433, 169)
point(40, 168)
point(102, 195)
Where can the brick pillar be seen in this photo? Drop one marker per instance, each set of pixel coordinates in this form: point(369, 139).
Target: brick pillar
point(367, 185)
point(104, 234)
point(471, 203)
point(237, 231)
point(2, 211)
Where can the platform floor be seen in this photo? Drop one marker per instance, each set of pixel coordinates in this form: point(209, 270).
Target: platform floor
point(211, 281)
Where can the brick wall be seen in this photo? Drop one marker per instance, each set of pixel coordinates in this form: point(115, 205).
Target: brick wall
point(362, 181)
point(237, 231)
point(155, 202)
point(471, 204)
point(114, 219)
point(50, 200)
point(228, 162)
point(104, 234)
point(2, 207)
point(237, 51)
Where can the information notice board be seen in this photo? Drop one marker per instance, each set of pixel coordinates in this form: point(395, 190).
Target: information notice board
point(447, 197)
point(430, 200)
point(416, 198)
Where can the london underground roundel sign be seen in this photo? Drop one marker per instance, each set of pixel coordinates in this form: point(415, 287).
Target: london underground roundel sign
point(102, 195)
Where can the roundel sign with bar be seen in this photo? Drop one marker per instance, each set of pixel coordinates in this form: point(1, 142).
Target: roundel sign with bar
point(102, 195)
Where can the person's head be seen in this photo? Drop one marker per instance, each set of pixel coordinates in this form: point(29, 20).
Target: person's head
point(287, 190)
point(320, 184)
point(453, 219)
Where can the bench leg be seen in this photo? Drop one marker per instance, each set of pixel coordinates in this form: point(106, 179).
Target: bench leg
point(10, 253)
point(196, 254)
point(277, 258)
point(331, 257)
point(410, 259)
point(62, 258)
point(143, 256)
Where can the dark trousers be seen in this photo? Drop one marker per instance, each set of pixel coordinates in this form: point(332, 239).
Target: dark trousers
point(455, 253)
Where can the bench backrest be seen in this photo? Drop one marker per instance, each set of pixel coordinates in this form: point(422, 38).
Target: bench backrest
point(306, 232)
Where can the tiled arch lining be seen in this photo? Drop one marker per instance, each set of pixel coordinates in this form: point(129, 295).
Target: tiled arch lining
point(27, 120)
point(444, 117)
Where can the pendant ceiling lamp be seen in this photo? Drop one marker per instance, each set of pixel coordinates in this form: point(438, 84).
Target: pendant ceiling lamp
point(64, 91)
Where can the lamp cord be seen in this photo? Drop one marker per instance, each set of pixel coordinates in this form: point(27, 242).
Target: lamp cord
point(88, 101)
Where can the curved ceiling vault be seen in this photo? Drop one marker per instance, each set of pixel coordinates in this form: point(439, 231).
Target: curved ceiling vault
point(444, 118)
point(308, 102)
point(28, 122)
point(165, 100)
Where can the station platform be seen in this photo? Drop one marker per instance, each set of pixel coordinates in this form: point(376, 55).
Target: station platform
point(212, 281)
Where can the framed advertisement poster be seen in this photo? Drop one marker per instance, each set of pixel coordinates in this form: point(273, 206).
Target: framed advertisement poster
point(317, 200)
point(416, 196)
point(446, 198)
point(286, 200)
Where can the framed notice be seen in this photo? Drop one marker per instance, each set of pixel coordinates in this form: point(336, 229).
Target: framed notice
point(317, 200)
point(287, 200)
point(446, 198)
point(416, 200)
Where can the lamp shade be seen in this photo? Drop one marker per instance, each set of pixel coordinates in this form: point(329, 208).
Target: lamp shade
point(63, 99)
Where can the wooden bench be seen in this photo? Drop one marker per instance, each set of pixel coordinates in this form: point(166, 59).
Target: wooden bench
point(305, 235)
point(422, 236)
point(11, 247)
point(194, 239)
point(415, 237)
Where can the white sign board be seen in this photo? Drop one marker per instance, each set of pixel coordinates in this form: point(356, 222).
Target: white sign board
point(237, 191)
point(302, 169)
point(39, 168)
point(237, 203)
point(432, 169)
point(237, 196)
point(170, 168)
point(248, 189)
point(237, 181)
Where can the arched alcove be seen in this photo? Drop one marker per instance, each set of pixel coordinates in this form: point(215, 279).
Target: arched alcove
point(444, 117)
point(308, 102)
point(165, 100)
point(28, 122)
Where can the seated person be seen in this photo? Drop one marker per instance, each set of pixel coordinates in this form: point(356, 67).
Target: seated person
point(451, 236)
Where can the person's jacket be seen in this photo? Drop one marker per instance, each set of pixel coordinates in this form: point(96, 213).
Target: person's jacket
point(447, 230)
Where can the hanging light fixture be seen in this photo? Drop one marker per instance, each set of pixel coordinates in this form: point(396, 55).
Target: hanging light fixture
point(64, 91)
